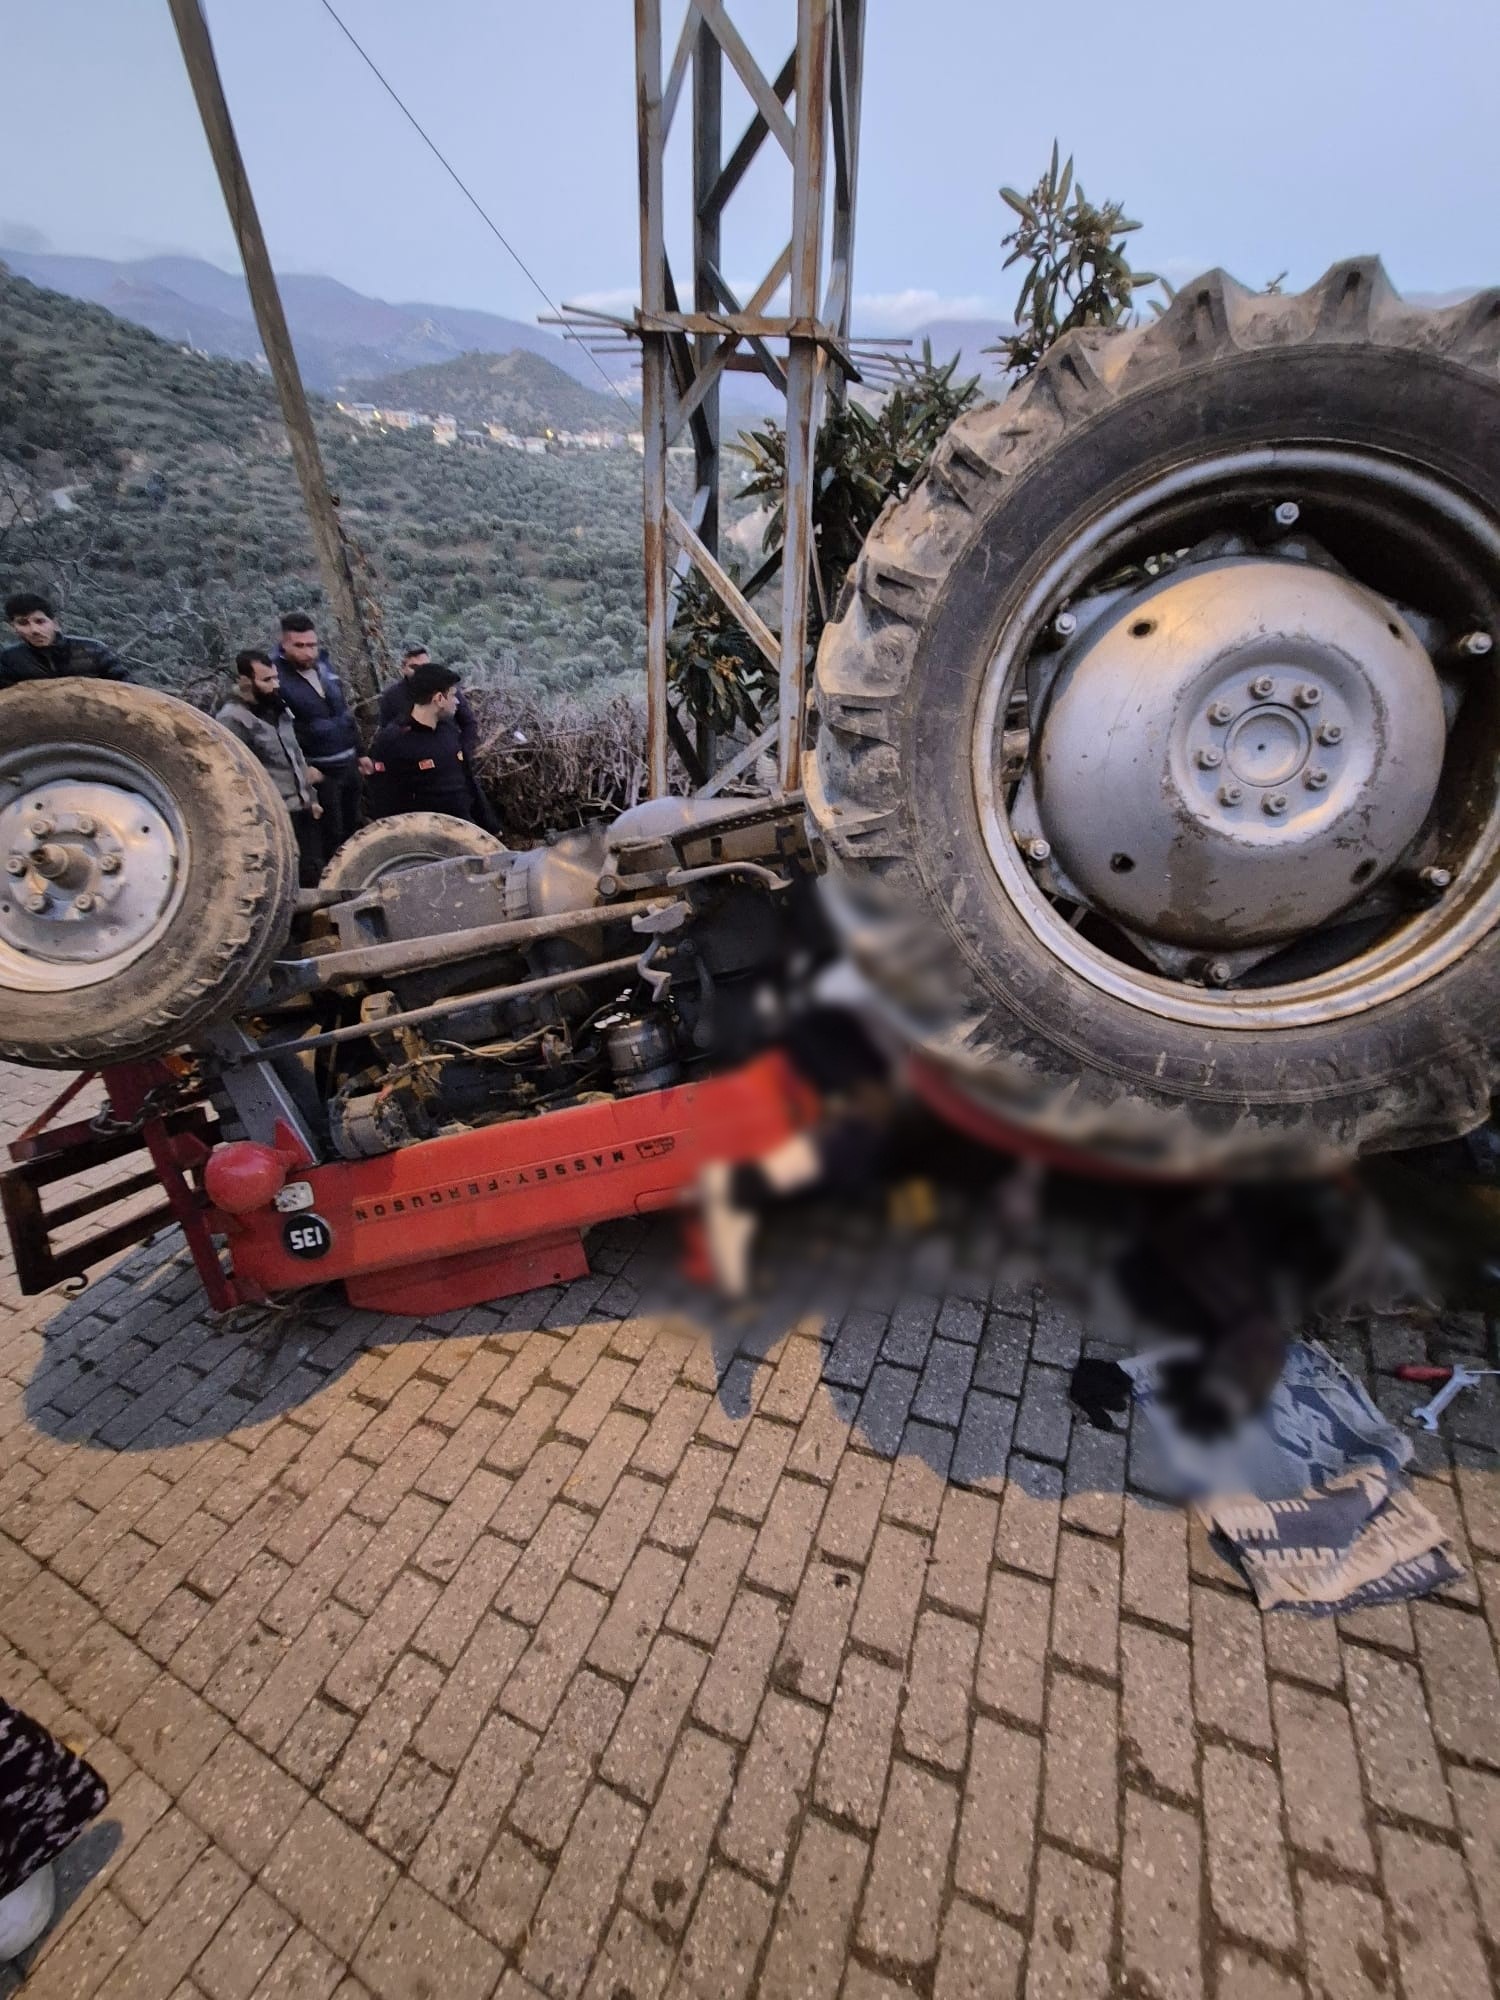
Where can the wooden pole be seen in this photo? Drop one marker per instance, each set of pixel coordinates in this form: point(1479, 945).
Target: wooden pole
point(353, 653)
point(653, 387)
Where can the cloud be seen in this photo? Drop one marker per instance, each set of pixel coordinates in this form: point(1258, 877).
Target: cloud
point(900, 312)
point(21, 236)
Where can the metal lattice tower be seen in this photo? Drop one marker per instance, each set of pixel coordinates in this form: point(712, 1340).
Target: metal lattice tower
point(802, 349)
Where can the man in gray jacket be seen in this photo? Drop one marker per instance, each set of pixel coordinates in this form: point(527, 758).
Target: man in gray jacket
point(257, 713)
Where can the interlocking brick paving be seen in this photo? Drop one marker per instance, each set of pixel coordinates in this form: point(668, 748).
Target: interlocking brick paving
point(601, 1646)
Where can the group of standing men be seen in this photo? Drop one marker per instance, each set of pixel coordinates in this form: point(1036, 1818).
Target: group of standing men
point(289, 708)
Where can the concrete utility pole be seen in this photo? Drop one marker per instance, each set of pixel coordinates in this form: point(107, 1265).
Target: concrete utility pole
point(352, 649)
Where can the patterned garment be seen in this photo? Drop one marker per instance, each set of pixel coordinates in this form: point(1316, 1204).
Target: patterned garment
point(47, 1797)
point(1309, 1497)
point(1362, 1538)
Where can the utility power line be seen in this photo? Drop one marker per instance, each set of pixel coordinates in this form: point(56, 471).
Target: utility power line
point(464, 189)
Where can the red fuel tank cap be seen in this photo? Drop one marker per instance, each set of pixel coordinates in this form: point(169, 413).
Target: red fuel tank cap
point(243, 1175)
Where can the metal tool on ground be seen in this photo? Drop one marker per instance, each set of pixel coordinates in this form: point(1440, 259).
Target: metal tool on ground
point(1453, 1379)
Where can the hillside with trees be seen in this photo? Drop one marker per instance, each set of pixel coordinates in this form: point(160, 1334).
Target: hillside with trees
point(522, 391)
point(149, 488)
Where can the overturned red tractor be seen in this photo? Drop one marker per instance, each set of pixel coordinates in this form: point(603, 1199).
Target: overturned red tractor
point(1151, 782)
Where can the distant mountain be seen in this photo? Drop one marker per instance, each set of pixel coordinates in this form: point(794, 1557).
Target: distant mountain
point(341, 336)
point(524, 391)
point(345, 340)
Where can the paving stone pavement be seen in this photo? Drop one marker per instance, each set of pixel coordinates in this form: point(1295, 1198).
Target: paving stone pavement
point(595, 1647)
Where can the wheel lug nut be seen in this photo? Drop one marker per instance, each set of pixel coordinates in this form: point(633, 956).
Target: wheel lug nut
point(1474, 645)
point(86, 824)
point(109, 864)
point(1331, 732)
point(1209, 760)
point(39, 827)
point(1286, 513)
point(83, 902)
point(1065, 624)
point(1218, 972)
point(1315, 779)
point(1435, 878)
point(36, 902)
point(1274, 803)
point(1262, 687)
point(1038, 850)
point(1220, 712)
point(15, 864)
point(1309, 695)
point(1230, 795)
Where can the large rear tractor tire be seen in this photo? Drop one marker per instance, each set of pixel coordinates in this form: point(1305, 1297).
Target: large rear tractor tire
point(1156, 739)
point(150, 873)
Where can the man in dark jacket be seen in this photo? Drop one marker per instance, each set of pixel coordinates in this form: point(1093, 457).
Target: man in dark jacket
point(42, 653)
point(395, 706)
point(258, 715)
point(419, 759)
point(395, 699)
point(325, 727)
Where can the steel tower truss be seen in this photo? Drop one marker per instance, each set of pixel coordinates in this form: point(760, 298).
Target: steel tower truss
point(793, 328)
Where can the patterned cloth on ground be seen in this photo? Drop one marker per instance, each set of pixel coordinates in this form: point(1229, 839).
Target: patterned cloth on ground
point(47, 1797)
point(1309, 1497)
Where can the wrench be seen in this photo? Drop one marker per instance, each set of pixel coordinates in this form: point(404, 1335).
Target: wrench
point(1454, 1380)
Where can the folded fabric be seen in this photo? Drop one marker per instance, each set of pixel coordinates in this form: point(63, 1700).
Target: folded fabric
point(1308, 1497)
point(1360, 1538)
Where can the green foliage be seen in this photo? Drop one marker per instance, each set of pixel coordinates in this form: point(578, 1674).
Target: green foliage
point(1077, 273)
point(863, 456)
point(717, 672)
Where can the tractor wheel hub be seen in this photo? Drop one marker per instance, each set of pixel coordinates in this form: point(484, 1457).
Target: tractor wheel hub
point(90, 871)
point(1235, 754)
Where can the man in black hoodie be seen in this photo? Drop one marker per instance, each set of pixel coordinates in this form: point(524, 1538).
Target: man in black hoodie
point(43, 653)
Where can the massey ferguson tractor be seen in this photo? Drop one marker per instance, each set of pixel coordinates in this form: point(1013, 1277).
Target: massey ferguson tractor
point(1151, 782)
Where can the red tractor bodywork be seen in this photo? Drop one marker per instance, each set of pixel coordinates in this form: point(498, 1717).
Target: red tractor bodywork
point(432, 1227)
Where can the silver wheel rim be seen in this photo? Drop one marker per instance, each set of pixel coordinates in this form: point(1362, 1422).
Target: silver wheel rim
point(95, 858)
point(398, 864)
point(1412, 952)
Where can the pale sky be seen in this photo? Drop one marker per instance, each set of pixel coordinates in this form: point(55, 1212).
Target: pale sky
point(1261, 137)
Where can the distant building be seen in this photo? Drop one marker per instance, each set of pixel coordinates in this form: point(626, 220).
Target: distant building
point(361, 413)
point(445, 430)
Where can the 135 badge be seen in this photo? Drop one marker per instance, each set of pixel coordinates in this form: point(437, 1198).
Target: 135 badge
point(306, 1236)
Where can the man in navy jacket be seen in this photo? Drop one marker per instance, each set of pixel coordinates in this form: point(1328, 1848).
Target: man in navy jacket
point(325, 727)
